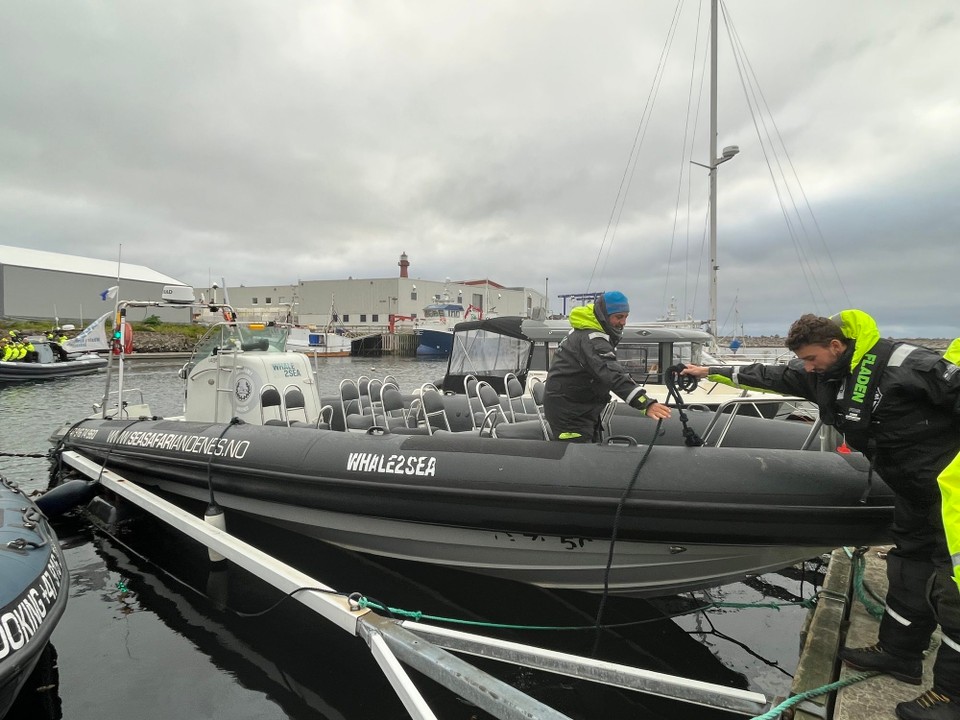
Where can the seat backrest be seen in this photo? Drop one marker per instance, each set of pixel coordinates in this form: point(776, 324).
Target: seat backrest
point(474, 406)
point(489, 399)
point(373, 393)
point(349, 399)
point(293, 399)
point(325, 419)
point(434, 410)
point(537, 391)
point(514, 390)
point(270, 398)
point(391, 403)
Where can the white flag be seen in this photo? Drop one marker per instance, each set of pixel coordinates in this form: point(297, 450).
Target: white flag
point(93, 337)
point(109, 293)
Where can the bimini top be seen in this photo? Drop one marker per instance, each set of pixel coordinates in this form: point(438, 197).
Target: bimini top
point(553, 330)
point(492, 348)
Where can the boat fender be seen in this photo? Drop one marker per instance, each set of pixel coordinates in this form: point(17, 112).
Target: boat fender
point(63, 498)
point(215, 516)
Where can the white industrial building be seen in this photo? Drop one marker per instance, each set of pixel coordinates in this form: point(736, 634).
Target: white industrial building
point(366, 304)
point(40, 285)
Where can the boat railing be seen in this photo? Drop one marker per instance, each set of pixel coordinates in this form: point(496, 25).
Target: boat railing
point(129, 402)
point(729, 410)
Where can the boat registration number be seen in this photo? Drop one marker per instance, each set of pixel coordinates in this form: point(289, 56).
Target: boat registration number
point(568, 542)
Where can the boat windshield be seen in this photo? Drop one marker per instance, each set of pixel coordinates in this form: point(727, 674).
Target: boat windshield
point(488, 356)
point(240, 337)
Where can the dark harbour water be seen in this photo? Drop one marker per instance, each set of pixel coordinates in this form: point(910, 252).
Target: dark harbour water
point(153, 630)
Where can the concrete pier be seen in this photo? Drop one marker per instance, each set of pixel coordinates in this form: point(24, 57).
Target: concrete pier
point(840, 620)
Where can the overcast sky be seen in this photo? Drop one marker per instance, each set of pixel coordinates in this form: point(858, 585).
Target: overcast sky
point(282, 140)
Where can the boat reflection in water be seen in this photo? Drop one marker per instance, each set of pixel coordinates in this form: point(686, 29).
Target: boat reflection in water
point(310, 670)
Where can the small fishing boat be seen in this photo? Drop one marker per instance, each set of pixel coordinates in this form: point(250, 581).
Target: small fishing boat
point(34, 585)
point(318, 343)
point(642, 515)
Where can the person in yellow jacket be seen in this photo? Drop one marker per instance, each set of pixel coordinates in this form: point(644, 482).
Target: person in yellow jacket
point(949, 482)
point(584, 371)
point(899, 404)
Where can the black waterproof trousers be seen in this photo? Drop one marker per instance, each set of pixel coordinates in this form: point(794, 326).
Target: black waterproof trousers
point(922, 593)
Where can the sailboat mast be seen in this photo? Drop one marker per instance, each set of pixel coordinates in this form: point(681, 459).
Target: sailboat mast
point(713, 168)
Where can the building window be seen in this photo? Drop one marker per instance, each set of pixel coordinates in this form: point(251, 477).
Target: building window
point(267, 300)
point(376, 318)
point(413, 294)
point(335, 318)
point(254, 301)
point(346, 318)
point(363, 318)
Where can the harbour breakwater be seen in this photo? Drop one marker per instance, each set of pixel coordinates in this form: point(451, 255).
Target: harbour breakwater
point(776, 341)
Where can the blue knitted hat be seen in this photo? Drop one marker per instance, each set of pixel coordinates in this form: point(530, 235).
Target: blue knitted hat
point(616, 302)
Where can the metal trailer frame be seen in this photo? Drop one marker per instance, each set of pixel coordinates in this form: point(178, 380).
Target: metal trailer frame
point(421, 646)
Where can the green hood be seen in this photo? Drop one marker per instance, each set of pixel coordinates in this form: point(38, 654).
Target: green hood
point(583, 318)
point(859, 327)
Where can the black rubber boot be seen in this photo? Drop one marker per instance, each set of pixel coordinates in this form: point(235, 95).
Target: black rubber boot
point(876, 658)
point(929, 706)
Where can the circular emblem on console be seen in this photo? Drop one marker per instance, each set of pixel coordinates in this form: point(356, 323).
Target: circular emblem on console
point(244, 388)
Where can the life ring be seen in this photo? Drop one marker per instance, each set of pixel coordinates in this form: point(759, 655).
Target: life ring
point(127, 340)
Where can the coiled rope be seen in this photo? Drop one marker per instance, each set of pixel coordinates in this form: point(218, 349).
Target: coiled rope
point(676, 382)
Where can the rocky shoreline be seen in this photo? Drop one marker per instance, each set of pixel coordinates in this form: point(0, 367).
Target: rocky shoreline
point(173, 342)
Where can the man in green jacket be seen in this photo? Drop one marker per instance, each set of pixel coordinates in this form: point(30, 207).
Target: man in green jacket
point(899, 404)
point(584, 371)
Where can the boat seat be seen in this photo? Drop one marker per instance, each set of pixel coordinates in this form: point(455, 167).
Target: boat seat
point(350, 406)
point(270, 398)
point(392, 407)
point(433, 410)
point(489, 401)
point(521, 430)
point(325, 421)
point(474, 407)
point(515, 404)
point(294, 401)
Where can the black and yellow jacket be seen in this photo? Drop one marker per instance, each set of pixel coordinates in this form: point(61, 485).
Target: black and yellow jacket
point(583, 373)
point(897, 403)
point(949, 482)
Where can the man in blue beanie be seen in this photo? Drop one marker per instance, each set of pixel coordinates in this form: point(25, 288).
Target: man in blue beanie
point(585, 371)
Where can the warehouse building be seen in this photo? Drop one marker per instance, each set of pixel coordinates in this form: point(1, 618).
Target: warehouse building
point(40, 285)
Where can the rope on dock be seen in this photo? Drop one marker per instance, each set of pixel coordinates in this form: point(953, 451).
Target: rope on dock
point(871, 602)
point(775, 712)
